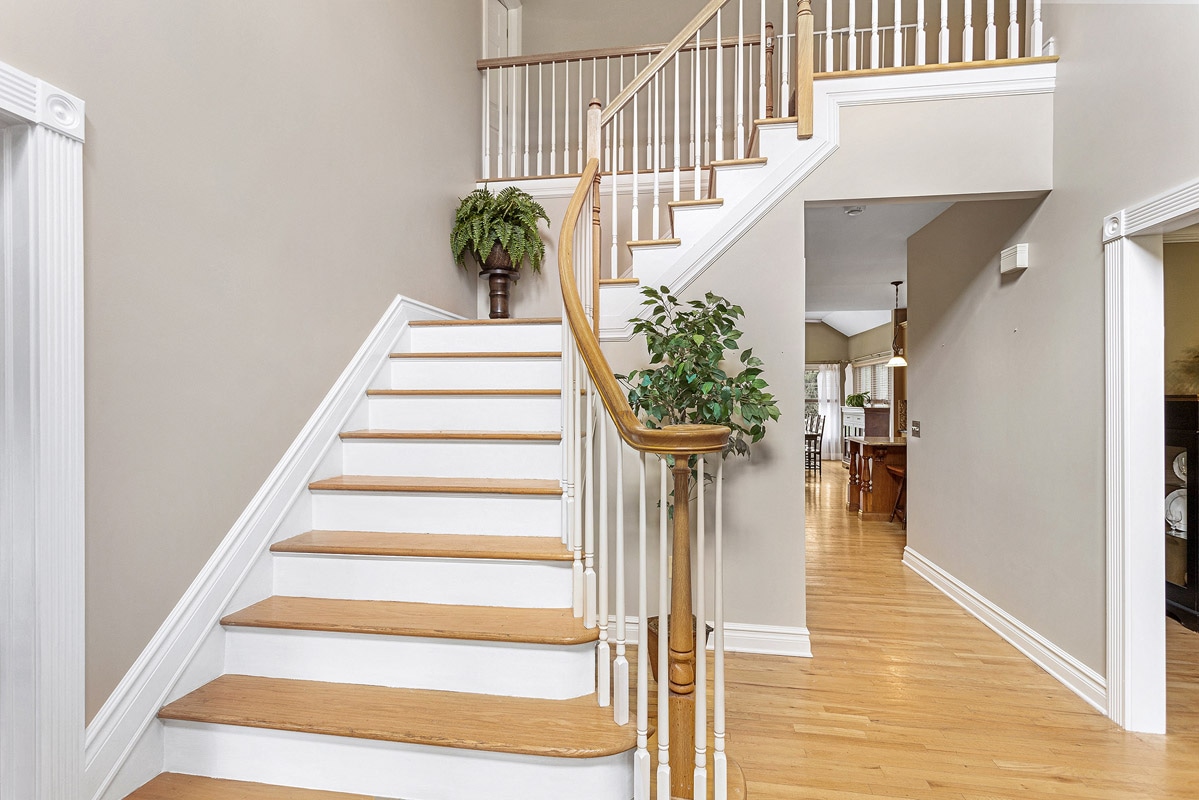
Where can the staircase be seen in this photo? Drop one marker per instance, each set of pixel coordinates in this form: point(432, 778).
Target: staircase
point(420, 641)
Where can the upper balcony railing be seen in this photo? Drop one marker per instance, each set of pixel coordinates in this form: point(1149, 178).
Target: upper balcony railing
point(535, 107)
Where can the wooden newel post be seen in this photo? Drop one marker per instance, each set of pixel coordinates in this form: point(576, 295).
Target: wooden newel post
point(682, 641)
point(804, 69)
point(769, 70)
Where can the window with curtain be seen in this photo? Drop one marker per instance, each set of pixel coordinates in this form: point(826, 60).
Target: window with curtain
point(874, 377)
point(828, 392)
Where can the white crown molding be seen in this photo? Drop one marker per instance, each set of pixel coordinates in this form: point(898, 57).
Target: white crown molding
point(40, 103)
point(42, 457)
point(1076, 676)
point(1167, 209)
point(117, 730)
point(1188, 235)
point(831, 96)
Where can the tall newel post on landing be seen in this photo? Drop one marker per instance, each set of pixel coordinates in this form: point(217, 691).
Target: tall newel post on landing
point(804, 70)
point(683, 648)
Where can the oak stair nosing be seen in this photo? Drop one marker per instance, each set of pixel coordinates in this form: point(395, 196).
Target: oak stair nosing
point(575, 728)
point(426, 545)
point(482, 436)
point(426, 485)
point(538, 626)
point(177, 786)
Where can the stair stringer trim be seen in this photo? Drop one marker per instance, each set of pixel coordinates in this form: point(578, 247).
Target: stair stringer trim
point(783, 175)
point(117, 736)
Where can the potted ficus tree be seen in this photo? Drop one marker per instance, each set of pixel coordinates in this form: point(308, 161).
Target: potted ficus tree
point(688, 381)
point(500, 232)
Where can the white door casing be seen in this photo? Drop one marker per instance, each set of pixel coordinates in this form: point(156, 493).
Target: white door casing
point(41, 440)
point(1134, 323)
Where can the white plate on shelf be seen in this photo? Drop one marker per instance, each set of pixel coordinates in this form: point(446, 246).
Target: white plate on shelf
point(1176, 510)
point(1180, 466)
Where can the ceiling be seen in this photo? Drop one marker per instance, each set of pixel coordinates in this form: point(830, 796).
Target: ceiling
point(851, 261)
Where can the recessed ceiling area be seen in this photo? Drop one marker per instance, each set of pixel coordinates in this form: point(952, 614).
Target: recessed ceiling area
point(852, 259)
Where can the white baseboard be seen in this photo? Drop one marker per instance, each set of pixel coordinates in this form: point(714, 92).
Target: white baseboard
point(1075, 676)
point(741, 637)
point(114, 734)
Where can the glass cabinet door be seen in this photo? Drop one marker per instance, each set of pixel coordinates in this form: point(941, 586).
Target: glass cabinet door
point(1176, 516)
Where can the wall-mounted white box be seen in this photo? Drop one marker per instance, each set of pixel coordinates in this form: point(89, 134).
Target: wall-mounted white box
point(1014, 259)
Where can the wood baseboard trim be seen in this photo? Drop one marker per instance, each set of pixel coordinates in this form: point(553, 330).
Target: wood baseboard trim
point(741, 637)
point(1073, 674)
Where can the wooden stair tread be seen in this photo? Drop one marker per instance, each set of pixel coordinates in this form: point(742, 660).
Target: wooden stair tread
point(464, 392)
point(554, 626)
point(426, 545)
point(576, 728)
point(620, 281)
point(703, 201)
point(776, 121)
point(483, 436)
point(450, 323)
point(737, 162)
point(391, 483)
point(484, 354)
point(173, 786)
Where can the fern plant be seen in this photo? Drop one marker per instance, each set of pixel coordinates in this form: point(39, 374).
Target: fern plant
point(690, 384)
point(509, 218)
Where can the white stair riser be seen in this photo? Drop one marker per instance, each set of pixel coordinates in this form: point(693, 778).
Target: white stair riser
point(440, 458)
point(735, 183)
point(476, 373)
point(691, 222)
point(516, 670)
point(388, 769)
point(402, 512)
point(452, 581)
point(776, 141)
point(485, 338)
point(466, 412)
point(648, 261)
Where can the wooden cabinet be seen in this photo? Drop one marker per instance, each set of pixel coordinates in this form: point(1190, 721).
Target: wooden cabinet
point(862, 422)
point(1182, 510)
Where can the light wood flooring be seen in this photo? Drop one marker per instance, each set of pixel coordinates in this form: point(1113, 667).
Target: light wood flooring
point(911, 697)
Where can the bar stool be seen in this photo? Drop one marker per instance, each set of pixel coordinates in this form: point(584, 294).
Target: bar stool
point(900, 510)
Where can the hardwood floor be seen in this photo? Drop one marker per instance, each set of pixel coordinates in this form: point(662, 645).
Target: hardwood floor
point(911, 697)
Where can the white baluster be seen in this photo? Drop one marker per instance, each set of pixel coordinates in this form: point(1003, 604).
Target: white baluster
point(567, 425)
point(785, 61)
point(762, 65)
point(852, 42)
point(641, 760)
point(540, 113)
point(655, 222)
point(874, 41)
point(603, 653)
point(1013, 31)
point(566, 151)
point(487, 123)
point(921, 37)
point(701, 654)
point(989, 33)
point(619, 149)
point(607, 165)
point(615, 213)
point(554, 119)
point(943, 36)
point(636, 155)
point(718, 95)
point(582, 122)
point(1038, 33)
point(719, 760)
point(740, 92)
point(578, 433)
point(678, 129)
point(526, 162)
point(620, 667)
point(664, 637)
point(512, 121)
point(897, 54)
point(968, 31)
point(696, 108)
point(828, 35)
point(499, 167)
point(589, 577)
point(706, 100)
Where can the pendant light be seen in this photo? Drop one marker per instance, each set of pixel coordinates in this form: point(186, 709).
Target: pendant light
point(897, 359)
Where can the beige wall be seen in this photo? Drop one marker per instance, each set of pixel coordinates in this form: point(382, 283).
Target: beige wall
point(871, 342)
point(824, 344)
point(1182, 323)
point(1007, 375)
point(261, 178)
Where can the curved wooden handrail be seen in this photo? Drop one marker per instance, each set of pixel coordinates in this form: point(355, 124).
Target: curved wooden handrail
point(670, 440)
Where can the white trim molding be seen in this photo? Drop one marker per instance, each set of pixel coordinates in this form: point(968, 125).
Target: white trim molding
point(41, 439)
point(1073, 674)
point(1134, 413)
point(743, 637)
point(121, 733)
